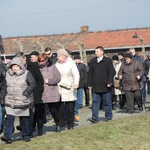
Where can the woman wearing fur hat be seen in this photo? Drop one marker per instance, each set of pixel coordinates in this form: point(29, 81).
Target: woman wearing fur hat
point(20, 84)
point(67, 86)
point(131, 73)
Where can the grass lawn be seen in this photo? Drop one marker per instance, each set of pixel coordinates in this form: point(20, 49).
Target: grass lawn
point(132, 133)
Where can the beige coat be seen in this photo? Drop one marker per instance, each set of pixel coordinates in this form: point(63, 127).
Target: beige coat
point(69, 74)
point(117, 91)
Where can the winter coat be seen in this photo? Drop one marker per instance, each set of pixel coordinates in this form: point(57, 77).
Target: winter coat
point(117, 91)
point(69, 73)
point(53, 59)
point(83, 74)
point(2, 84)
point(20, 87)
point(136, 57)
point(51, 91)
point(39, 87)
point(100, 74)
point(146, 67)
point(129, 73)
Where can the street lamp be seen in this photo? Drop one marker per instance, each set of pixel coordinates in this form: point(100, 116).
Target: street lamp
point(143, 44)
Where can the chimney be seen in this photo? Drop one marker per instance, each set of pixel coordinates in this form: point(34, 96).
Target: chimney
point(84, 29)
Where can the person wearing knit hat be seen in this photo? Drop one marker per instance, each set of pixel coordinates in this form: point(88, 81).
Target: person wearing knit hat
point(34, 56)
point(67, 87)
point(131, 73)
point(127, 55)
point(115, 57)
point(62, 52)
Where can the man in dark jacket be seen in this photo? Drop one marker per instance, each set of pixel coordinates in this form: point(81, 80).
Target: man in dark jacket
point(100, 79)
point(131, 73)
point(146, 68)
point(83, 78)
point(2, 94)
point(49, 53)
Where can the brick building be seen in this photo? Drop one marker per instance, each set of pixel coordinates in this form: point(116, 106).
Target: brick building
point(113, 41)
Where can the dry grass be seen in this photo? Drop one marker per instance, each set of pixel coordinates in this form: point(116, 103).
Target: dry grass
point(131, 133)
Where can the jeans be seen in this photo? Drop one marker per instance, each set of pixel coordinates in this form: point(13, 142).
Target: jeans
point(105, 98)
point(76, 107)
point(1, 120)
point(148, 87)
point(25, 124)
point(10, 126)
point(31, 119)
point(80, 96)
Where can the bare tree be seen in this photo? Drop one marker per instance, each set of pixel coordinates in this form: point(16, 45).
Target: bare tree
point(82, 51)
point(21, 47)
point(60, 45)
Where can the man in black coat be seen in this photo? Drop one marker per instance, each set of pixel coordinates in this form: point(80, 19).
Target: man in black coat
point(100, 80)
point(83, 78)
point(49, 53)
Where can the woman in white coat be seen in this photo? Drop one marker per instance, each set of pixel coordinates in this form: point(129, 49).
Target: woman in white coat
point(117, 90)
point(67, 87)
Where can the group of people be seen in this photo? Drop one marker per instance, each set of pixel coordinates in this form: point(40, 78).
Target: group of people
point(32, 84)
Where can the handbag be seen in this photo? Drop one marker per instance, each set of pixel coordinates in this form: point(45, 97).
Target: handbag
point(116, 83)
point(65, 84)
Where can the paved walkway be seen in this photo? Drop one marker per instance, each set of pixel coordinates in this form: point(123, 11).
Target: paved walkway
point(85, 114)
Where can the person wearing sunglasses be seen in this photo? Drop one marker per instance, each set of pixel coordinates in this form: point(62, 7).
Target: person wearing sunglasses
point(50, 55)
point(51, 95)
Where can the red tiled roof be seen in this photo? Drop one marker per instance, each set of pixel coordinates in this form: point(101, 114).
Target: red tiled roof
point(108, 39)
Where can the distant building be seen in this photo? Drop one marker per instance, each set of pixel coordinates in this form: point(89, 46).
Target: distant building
point(113, 41)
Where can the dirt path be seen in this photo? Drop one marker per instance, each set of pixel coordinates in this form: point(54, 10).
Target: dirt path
point(85, 114)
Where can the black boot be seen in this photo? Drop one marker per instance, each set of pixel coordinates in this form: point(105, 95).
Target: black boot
point(87, 96)
point(121, 101)
point(40, 127)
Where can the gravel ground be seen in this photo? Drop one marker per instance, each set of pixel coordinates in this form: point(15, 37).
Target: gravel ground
point(85, 114)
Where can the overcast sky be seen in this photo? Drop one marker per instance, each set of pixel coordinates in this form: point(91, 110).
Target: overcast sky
point(46, 17)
